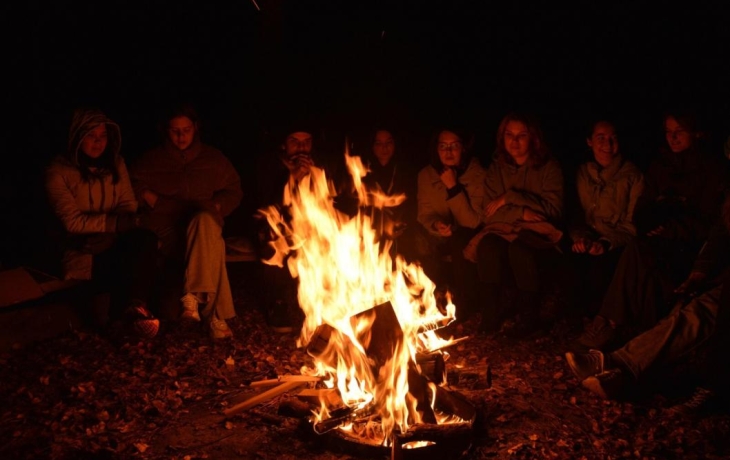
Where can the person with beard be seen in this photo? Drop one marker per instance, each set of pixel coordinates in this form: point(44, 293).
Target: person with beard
point(278, 176)
point(523, 204)
point(450, 201)
point(186, 189)
point(90, 192)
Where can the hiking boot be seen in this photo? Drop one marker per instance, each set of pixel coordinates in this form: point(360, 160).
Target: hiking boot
point(585, 365)
point(219, 329)
point(278, 317)
point(142, 322)
point(607, 385)
point(695, 405)
point(190, 308)
point(597, 335)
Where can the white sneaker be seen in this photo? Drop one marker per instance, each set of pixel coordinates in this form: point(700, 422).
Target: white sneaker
point(190, 308)
point(219, 329)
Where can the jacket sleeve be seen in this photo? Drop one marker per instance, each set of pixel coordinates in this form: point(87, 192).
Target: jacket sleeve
point(127, 200)
point(64, 205)
point(715, 252)
point(625, 229)
point(578, 226)
point(427, 215)
point(230, 194)
point(549, 201)
point(467, 206)
point(494, 188)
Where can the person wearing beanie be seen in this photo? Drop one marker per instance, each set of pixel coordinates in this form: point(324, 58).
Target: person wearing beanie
point(90, 192)
point(186, 190)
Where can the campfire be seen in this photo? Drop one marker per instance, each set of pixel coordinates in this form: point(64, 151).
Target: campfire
point(370, 321)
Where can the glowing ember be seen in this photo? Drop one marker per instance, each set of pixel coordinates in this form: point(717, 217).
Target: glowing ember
point(368, 315)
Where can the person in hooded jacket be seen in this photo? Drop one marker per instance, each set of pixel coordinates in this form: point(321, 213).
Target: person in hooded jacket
point(186, 189)
point(90, 192)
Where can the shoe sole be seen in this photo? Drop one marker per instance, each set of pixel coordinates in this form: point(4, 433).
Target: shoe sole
point(190, 318)
point(570, 359)
point(217, 336)
point(593, 385)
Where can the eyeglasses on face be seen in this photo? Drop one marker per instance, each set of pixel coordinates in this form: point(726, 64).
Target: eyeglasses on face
point(449, 145)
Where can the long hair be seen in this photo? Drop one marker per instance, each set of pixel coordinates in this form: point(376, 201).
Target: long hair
point(539, 152)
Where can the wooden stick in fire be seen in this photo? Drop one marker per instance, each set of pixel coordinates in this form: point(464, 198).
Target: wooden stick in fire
point(263, 397)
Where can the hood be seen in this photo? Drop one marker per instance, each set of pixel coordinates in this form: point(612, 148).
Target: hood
point(84, 121)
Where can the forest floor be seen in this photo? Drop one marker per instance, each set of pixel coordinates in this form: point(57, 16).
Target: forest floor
point(83, 396)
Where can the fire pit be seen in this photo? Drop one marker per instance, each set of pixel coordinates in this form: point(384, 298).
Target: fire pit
point(380, 369)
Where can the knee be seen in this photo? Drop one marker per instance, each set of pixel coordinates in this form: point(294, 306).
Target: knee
point(204, 220)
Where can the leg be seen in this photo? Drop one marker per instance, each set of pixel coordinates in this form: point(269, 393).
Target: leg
point(687, 326)
point(491, 263)
point(206, 272)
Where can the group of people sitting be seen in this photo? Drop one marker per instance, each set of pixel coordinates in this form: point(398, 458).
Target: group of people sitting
point(123, 226)
point(640, 253)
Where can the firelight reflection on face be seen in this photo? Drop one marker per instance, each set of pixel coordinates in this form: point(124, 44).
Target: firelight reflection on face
point(604, 143)
point(181, 131)
point(678, 138)
point(449, 148)
point(94, 143)
point(517, 141)
point(298, 143)
point(383, 147)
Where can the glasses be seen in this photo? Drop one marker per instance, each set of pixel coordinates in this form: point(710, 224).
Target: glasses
point(449, 146)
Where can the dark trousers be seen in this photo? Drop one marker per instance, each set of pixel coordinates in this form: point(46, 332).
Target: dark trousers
point(500, 264)
point(641, 288)
point(128, 269)
point(442, 260)
point(586, 280)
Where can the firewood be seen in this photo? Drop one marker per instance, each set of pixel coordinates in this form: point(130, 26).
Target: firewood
point(474, 377)
point(263, 397)
point(284, 378)
point(315, 396)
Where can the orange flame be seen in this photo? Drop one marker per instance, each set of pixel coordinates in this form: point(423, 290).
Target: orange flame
point(343, 273)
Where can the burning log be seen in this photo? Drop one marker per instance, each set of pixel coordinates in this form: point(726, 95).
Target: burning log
point(472, 377)
point(385, 335)
point(432, 366)
point(315, 396)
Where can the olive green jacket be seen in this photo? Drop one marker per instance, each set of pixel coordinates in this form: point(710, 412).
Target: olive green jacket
point(608, 198)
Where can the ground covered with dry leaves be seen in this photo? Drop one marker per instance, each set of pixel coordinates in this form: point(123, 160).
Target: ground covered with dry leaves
point(83, 396)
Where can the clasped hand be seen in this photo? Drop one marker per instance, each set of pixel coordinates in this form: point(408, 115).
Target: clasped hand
point(298, 165)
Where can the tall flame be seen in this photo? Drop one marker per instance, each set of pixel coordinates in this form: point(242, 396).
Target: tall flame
point(344, 271)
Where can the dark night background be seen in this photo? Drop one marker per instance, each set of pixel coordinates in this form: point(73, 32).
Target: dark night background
point(348, 64)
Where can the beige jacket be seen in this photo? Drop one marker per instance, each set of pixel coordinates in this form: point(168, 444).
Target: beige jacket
point(83, 205)
point(463, 210)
